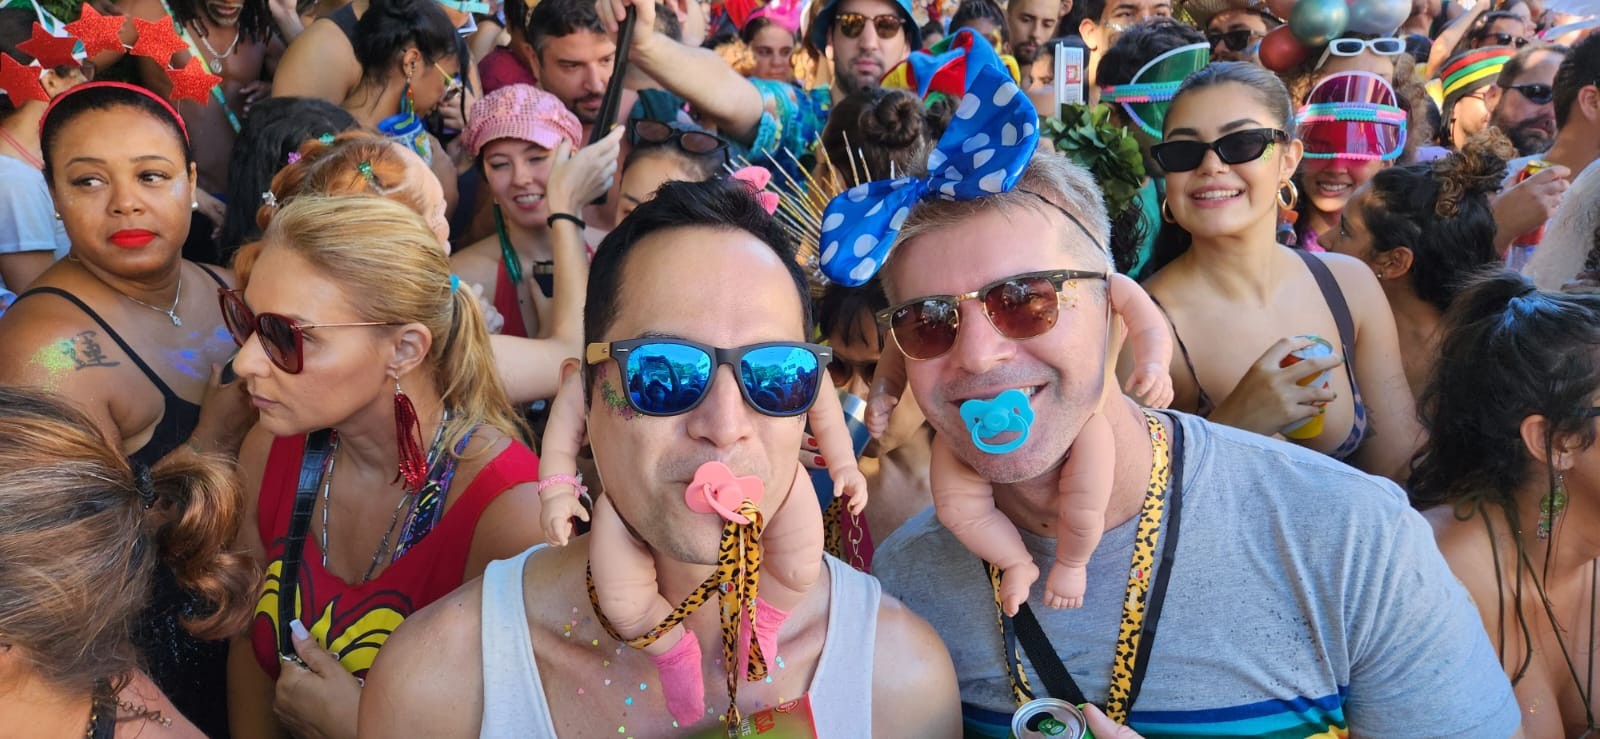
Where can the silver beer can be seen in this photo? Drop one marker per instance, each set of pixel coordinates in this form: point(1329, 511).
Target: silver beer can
point(1049, 718)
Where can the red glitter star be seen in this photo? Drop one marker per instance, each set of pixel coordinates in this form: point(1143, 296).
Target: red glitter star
point(49, 50)
point(21, 82)
point(193, 82)
point(98, 32)
point(157, 40)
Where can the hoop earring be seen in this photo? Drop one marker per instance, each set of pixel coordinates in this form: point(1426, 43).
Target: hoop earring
point(1294, 195)
point(1551, 505)
point(1166, 213)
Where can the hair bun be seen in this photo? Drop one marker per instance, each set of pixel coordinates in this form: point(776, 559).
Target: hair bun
point(1476, 170)
point(896, 121)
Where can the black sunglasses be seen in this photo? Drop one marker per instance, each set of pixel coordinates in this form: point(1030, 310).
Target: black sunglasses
point(852, 24)
point(691, 141)
point(1536, 93)
point(1235, 148)
point(1505, 39)
point(1234, 40)
point(667, 377)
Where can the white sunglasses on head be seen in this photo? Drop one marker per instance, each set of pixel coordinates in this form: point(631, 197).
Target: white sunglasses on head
point(1354, 46)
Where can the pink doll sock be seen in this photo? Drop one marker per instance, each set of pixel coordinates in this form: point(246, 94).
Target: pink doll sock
point(768, 620)
point(682, 682)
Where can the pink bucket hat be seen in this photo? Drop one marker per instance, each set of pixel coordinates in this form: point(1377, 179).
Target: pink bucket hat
point(522, 112)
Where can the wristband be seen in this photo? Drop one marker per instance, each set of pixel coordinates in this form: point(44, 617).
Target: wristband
point(576, 481)
point(551, 221)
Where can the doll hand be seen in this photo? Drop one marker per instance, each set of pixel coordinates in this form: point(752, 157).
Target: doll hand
point(1151, 385)
point(880, 406)
point(558, 506)
point(850, 482)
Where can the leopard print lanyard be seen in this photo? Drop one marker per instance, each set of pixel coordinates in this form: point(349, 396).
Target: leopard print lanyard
point(736, 582)
point(1127, 666)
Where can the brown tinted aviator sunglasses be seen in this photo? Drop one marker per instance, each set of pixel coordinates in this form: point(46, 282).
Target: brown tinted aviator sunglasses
point(282, 337)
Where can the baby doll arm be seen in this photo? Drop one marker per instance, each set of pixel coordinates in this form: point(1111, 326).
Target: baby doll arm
point(558, 463)
point(888, 384)
point(964, 503)
point(1151, 381)
point(838, 450)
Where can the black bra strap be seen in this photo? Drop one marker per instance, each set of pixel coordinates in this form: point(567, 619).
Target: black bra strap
point(1334, 297)
point(126, 349)
point(211, 274)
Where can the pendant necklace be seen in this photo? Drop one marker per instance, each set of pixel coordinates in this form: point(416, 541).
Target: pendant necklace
point(171, 313)
point(216, 57)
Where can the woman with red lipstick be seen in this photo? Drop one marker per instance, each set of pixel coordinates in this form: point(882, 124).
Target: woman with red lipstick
point(132, 332)
point(527, 142)
point(1240, 303)
point(364, 356)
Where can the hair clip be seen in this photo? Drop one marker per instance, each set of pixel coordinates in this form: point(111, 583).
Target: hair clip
point(326, 139)
point(294, 156)
point(145, 487)
point(365, 168)
point(269, 199)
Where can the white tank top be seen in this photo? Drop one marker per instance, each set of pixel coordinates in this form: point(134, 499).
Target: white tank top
point(514, 703)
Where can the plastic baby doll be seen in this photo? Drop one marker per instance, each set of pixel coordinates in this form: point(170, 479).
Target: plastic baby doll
point(964, 501)
point(624, 573)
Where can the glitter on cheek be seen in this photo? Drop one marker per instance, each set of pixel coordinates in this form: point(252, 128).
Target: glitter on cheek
point(615, 401)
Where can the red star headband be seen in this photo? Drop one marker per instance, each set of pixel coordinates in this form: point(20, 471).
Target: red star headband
point(157, 40)
point(120, 86)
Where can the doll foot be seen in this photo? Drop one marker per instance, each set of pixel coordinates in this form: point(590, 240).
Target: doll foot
point(682, 683)
point(768, 620)
point(1014, 586)
point(1064, 588)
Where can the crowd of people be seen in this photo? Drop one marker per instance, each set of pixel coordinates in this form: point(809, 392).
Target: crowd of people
point(1274, 412)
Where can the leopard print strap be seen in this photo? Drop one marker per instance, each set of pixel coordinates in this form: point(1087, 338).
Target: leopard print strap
point(1131, 629)
point(736, 581)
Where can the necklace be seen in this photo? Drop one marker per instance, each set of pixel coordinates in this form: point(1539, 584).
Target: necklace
point(216, 57)
point(171, 312)
point(1584, 686)
point(383, 549)
point(22, 151)
point(103, 709)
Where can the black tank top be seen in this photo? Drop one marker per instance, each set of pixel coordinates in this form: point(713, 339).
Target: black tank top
point(193, 673)
point(345, 18)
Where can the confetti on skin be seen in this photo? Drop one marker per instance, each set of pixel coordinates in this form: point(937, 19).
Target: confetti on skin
point(627, 701)
point(641, 686)
point(580, 691)
point(605, 663)
point(620, 729)
point(594, 642)
point(56, 361)
point(608, 682)
point(769, 679)
point(780, 661)
point(674, 724)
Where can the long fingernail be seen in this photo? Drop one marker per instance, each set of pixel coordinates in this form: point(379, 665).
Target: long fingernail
point(299, 630)
point(820, 461)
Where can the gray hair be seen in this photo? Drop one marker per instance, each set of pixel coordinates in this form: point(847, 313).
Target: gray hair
point(1053, 185)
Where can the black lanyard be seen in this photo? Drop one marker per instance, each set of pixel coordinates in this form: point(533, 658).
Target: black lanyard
point(1137, 631)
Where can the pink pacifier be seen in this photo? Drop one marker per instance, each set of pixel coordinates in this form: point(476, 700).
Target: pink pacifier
point(715, 489)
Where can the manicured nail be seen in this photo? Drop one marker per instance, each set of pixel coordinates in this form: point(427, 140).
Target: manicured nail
point(299, 630)
point(820, 461)
point(811, 441)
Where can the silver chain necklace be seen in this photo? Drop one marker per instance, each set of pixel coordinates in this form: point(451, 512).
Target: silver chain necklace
point(216, 58)
point(383, 546)
point(171, 313)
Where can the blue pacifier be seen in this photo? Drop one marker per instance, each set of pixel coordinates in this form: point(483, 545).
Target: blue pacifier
point(1007, 412)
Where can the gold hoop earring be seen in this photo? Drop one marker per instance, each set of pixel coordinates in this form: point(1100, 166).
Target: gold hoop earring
point(1166, 213)
point(1294, 195)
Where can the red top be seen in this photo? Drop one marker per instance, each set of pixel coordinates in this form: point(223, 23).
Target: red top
point(505, 301)
point(353, 621)
point(501, 67)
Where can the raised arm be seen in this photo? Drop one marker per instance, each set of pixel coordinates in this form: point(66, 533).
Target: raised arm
point(718, 93)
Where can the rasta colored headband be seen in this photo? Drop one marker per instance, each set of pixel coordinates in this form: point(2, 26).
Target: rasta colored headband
point(120, 86)
point(1148, 96)
point(983, 151)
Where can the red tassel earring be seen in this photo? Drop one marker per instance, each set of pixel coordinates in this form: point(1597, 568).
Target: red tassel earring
point(408, 433)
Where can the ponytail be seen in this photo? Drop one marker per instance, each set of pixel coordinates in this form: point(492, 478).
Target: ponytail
point(204, 499)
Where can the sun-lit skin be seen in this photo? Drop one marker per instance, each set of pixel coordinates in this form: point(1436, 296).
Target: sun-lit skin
point(859, 62)
point(517, 172)
point(773, 46)
point(1031, 23)
point(576, 69)
point(1330, 183)
point(646, 175)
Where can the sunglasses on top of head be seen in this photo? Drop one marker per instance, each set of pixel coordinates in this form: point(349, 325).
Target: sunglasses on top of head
point(282, 337)
point(1235, 148)
point(1019, 307)
point(668, 377)
point(852, 24)
point(1536, 93)
point(1387, 46)
point(1233, 40)
point(689, 140)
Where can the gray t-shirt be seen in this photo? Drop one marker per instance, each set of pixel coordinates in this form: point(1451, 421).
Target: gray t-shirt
point(1304, 596)
point(27, 220)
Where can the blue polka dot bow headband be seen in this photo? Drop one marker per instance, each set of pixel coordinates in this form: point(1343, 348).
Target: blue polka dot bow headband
point(983, 152)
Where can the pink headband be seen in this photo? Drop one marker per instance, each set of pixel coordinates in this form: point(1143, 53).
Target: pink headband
point(119, 85)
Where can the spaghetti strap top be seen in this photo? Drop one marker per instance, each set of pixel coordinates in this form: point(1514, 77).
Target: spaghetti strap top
point(345, 18)
point(1333, 296)
point(191, 672)
point(178, 416)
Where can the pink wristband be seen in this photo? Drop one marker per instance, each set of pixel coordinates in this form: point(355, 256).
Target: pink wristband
point(576, 481)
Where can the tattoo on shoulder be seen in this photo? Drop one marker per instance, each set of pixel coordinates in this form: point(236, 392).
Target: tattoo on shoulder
point(84, 351)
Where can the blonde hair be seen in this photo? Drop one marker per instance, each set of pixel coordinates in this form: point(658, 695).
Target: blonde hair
point(389, 262)
point(336, 168)
point(77, 547)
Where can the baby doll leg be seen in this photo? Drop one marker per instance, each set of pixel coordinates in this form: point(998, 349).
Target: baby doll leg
point(964, 503)
point(791, 559)
point(1081, 512)
point(625, 585)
